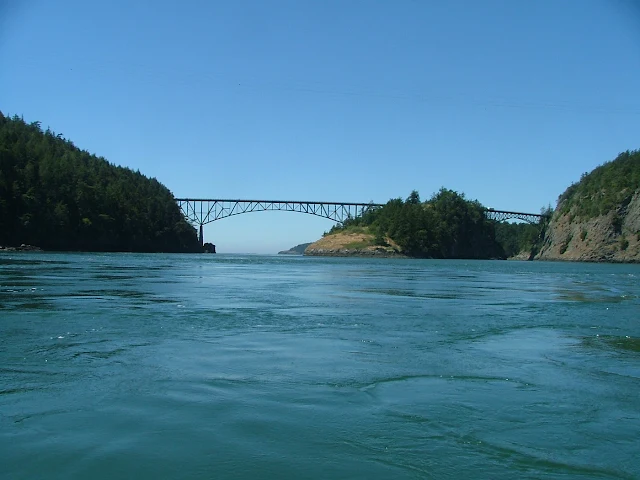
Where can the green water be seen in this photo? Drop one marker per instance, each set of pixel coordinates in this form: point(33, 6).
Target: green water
point(205, 366)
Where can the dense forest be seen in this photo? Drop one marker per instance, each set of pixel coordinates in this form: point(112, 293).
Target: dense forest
point(58, 197)
point(445, 226)
point(603, 189)
point(515, 238)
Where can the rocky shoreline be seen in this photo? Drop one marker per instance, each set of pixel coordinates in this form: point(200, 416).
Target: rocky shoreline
point(21, 248)
point(351, 244)
point(379, 252)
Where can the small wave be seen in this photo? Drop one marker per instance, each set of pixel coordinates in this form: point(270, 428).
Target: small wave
point(593, 297)
point(17, 390)
point(413, 294)
point(537, 461)
point(99, 354)
point(626, 343)
point(443, 377)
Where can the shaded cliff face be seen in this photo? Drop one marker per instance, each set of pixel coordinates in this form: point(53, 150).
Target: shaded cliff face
point(610, 237)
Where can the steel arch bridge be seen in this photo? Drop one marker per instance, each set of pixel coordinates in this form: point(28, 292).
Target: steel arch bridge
point(201, 211)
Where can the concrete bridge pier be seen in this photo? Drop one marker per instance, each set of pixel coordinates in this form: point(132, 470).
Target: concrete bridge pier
point(206, 247)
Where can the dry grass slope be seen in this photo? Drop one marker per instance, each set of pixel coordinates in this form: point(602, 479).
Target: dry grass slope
point(352, 244)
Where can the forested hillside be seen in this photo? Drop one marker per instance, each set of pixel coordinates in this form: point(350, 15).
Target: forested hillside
point(445, 226)
point(604, 188)
point(58, 197)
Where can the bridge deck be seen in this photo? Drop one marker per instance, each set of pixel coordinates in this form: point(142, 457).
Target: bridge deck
point(275, 201)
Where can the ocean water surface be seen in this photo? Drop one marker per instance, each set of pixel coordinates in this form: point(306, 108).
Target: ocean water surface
point(240, 366)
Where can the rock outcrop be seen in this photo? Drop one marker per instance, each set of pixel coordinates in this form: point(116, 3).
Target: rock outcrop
point(352, 245)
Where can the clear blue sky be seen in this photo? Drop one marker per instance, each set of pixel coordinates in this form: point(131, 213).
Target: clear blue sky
point(338, 100)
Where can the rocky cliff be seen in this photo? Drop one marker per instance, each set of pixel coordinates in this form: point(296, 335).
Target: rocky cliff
point(598, 219)
point(612, 237)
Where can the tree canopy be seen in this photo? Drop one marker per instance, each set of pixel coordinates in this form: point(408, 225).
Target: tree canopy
point(58, 197)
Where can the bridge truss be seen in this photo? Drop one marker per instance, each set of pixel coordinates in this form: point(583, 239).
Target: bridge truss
point(503, 215)
point(203, 211)
point(200, 211)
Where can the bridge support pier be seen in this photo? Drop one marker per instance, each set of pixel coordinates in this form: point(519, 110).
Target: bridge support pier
point(201, 236)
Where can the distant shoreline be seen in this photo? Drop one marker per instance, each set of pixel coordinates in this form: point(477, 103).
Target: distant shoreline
point(21, 248)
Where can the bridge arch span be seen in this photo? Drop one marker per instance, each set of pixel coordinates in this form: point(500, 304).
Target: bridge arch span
point(203, 211)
